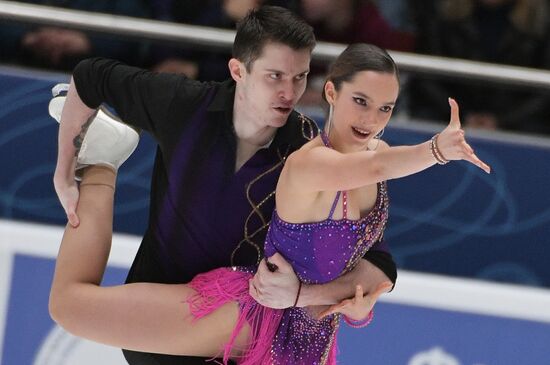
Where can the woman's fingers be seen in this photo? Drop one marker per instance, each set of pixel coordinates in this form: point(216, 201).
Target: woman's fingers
point(326, 312)
point(335, 308)
point(358, 292)
point(469, 148)
point(455, 116)
point(455, 147)
point(472, 158)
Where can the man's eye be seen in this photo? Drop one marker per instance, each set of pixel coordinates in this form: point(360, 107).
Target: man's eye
point(275, 76)
point(301, 76)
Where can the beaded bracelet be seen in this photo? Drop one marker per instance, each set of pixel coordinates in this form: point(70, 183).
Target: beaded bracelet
point(298, 294)
point(435, 151)
point(360, 323)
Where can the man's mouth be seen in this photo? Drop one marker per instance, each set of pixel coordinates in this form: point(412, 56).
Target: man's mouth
point(360, 133)
point(283, 109)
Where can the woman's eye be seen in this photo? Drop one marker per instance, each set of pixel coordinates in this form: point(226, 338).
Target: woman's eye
point(386, 109)
point(360, 101)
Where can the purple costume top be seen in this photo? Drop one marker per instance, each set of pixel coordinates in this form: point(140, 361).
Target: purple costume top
point(320, 252)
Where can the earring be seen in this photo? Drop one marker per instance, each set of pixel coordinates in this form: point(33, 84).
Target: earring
point(377, 137)
point(328, 123)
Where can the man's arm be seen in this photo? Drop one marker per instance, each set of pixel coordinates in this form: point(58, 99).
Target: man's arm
point(366, 274)
point(279, 289)
point(140, 97)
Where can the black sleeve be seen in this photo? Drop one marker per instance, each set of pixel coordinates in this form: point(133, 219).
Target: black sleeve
point(140, 97)
point(379, 256)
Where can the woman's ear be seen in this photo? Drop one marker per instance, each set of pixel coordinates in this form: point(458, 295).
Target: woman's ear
point(236, 69)
point(330, 92)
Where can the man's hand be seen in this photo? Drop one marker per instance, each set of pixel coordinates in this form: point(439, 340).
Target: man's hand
point(275, 289)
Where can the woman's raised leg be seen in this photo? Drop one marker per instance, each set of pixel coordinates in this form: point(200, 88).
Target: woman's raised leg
point(140, 316)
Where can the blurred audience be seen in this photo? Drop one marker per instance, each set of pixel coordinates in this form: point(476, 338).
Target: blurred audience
point(351, 21)
point(512, 32)
point(202, 64)
point(61, 49)
point(398, 14)
point(348, 21)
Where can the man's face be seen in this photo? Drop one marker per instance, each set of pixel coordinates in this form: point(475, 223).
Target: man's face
point(275, 83)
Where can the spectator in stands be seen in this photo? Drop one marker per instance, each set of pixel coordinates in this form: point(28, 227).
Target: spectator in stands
point(398, 14)
point(346, 21)
point(61, 49)
point(513, 32)
point(200, 64)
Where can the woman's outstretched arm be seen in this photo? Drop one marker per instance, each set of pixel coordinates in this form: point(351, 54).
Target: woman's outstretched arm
point(306, 169)
point(140, 316)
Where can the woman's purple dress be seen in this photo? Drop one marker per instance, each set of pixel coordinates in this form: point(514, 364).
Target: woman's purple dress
point(319, 252)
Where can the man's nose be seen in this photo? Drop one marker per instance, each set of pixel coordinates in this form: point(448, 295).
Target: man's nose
point(287, 91)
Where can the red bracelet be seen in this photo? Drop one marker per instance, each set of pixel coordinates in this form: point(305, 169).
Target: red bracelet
point(298, 294)
point(360, 323)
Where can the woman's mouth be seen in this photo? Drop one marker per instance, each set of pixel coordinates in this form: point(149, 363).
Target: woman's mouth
point(360, 133)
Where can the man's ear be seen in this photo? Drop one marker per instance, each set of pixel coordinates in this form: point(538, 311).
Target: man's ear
point(330, 92)
point(236, 69)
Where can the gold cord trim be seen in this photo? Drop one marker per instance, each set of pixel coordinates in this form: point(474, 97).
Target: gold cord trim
point(312, 127)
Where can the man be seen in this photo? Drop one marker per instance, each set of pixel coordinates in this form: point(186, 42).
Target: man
point(220, 150)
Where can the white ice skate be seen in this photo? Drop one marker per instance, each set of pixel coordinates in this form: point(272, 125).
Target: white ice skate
point(108, 141)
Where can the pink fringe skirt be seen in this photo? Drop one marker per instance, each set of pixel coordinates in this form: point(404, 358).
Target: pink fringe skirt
point(219, 286)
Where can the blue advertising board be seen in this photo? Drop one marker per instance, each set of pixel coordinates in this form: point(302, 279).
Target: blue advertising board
point(452, 220)
point(426, 320)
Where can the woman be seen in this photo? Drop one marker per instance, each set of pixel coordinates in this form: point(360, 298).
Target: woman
point(340, 174)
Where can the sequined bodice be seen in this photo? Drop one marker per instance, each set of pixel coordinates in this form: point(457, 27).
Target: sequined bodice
point(322, 251)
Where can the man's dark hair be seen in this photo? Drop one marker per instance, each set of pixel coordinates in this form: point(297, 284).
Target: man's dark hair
point(270, 24)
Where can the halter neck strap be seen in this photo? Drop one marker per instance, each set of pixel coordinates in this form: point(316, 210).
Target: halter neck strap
point(325, 139)
point(326, 142)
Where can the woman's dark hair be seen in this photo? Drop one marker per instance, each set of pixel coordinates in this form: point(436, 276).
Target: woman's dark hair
point(359, 57)
point(270, 24)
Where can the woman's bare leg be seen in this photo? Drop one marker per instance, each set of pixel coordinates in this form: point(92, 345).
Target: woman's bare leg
point(140, 316)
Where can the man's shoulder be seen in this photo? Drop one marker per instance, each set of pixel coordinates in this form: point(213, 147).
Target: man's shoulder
point(217, 95)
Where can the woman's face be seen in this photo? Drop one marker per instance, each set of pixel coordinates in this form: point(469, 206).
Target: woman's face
point(362, 108)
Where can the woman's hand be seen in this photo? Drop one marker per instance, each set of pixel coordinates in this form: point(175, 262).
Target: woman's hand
point(67, 192)
point(453, 146)
point(358, 307)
